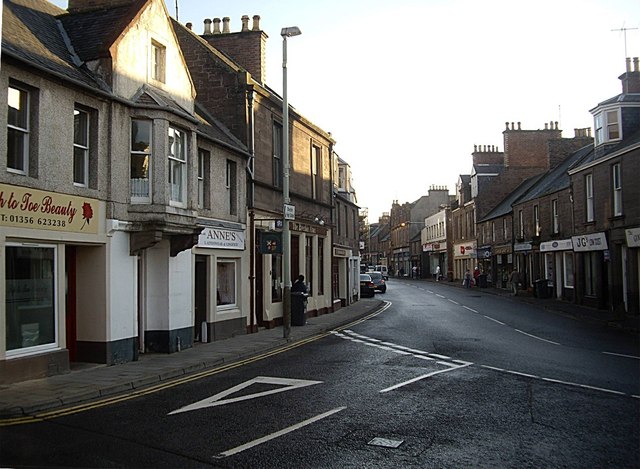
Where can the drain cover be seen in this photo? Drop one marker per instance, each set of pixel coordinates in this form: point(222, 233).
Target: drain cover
point(385, 442)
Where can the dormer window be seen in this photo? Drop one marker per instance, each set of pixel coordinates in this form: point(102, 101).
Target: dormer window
point(607, 124)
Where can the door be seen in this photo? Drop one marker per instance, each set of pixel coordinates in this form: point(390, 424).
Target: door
point(200, 299)
point(70, 303)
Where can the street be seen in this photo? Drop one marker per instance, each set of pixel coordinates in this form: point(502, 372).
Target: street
point(441, 377)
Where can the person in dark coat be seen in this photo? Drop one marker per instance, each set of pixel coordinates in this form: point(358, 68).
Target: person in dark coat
point(299, 285)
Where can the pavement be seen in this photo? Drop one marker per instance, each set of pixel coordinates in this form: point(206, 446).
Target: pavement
point(89, 382)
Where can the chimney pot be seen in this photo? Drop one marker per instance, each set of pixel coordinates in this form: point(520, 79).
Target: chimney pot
point(628, 64)
point(207, 27)
point(189, 26)
point(519, 127)
point(245, 23)
point(225, 25)
point(546, 126)
point(216, 26)
point(256, 22)
point(507, 125)
point(635, 65)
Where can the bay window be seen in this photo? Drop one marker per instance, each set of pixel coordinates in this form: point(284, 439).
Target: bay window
point(177, 166)
point(140, 160)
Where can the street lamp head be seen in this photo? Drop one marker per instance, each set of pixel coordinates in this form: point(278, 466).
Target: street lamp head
point(290, 31)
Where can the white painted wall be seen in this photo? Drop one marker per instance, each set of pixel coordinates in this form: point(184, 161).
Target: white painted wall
point(122, 290)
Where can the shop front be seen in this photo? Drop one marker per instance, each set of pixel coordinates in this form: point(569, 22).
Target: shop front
point(592, 255)
point(53, 281)
point(464, 258)
point(221, 297)
point(632, 270)
point(558, 267)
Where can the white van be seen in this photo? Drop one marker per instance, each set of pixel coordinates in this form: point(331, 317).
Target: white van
point(383, 269)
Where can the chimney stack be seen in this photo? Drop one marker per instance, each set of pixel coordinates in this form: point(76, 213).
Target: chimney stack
point(246, 47)
point(631, 78)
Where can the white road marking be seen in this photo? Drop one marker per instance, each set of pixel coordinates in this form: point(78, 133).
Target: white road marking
point(399, 385)
point(429, 291)
point(442, 357)
point(218, 399)
point(557, 381)
point(494, 320)
point(536, 337)
point(264, 439)
point(439, 295)
point(470, 309)
point(454, 302)
point(622, 355)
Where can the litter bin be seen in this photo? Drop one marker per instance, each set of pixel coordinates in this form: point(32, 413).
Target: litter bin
point(482, 281)
point(298, 308)
point(542, 288)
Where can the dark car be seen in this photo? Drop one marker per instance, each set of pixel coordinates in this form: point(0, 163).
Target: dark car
point(367, 287)
point(378, 280)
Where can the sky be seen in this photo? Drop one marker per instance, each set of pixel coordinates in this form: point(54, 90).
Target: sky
point(408, 87)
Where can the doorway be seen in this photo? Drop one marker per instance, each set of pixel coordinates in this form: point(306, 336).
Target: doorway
point(201, 282)
point(71, 322)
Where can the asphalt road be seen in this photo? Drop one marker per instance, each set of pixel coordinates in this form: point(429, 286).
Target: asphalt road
point(443, 377)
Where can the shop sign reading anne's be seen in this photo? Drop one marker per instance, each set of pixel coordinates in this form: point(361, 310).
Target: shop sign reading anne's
point(22, 207)
point(221, 239)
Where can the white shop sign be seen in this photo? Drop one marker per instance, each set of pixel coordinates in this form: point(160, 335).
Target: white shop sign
point(590, 242)
point(218, 238)
point(560, 245)
point(633, 237)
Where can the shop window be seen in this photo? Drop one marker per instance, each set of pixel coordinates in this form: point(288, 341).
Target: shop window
point(568, 270)
point(320, 281)
point(276, 278)
point(226, 288)
point(308, 251)
point(590, 273)
point(30, 305)
point(18, 130)
point(140, 161)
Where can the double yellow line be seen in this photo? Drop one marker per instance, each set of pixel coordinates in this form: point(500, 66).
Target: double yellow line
point(42, 416)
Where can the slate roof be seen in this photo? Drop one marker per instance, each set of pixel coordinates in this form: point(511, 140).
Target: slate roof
point(504, 207)
point(213, 129)
point(92, 32)
point(558, 178)
point(633, 140)
point(31, 32)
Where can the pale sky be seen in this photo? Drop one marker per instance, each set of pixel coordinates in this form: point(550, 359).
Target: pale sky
point(407, 87)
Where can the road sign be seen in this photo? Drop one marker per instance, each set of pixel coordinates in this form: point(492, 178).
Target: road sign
point(289, 212)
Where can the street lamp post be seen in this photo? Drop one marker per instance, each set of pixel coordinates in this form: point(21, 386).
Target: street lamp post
point(286, 233)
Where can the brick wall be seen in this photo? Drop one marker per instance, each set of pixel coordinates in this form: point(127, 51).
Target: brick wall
point(247, 49)
point(528, 148)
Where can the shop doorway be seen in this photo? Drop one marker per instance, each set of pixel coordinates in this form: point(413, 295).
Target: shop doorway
point(71, 322)
point(201, 282)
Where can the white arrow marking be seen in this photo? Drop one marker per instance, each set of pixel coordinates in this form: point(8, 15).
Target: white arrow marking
point(218, 399)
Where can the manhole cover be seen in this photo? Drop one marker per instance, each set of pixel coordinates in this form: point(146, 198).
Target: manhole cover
point(385, 442)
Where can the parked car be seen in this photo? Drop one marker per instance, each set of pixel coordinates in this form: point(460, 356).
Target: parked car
point(378, 280)
point(367, 287)
point(382, 269)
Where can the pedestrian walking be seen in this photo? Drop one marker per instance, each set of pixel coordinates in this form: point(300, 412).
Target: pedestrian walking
point(515, 280)
point(467, 279)
point(438, 273)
